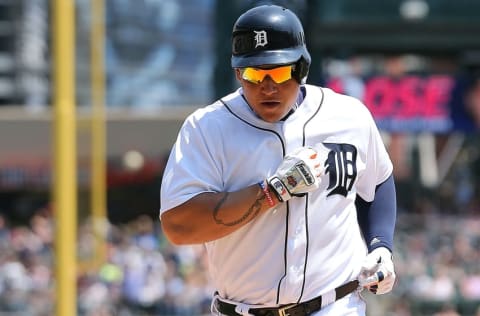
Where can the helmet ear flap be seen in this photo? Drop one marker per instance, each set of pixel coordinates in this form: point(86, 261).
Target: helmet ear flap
point(301, 70)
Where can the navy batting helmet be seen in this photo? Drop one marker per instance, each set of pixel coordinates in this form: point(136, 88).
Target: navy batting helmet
point(270, 35)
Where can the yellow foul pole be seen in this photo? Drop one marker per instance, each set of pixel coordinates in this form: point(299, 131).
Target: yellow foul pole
point(65, 174)
point(98, 134)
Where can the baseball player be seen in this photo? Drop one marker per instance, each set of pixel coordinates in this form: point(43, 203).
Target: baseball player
point(288, 185)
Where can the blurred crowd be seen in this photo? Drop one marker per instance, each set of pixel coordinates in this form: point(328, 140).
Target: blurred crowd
point(143, 274)
point(437, 261)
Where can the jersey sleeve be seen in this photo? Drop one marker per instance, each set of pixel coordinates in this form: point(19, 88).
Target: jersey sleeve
point(378, 164)
point(192, 167)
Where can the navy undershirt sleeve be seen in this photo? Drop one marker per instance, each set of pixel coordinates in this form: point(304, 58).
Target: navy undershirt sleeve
point(377, 218)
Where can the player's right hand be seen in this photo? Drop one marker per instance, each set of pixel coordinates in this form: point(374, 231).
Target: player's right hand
point(298, 174)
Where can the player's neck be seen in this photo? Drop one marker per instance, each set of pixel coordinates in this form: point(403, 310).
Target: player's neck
point(298, 102)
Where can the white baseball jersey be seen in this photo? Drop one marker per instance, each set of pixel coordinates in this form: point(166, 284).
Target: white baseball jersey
point(300, 249)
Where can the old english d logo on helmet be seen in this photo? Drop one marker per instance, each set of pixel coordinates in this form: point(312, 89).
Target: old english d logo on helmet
point(260, 38)
point(270, 35)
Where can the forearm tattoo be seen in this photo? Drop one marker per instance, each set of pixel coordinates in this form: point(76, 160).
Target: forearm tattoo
point(253, 210)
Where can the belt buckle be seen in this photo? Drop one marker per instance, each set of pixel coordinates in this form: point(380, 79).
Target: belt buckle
point(282, 311)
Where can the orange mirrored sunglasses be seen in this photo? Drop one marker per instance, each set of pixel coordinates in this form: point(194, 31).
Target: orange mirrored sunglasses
point(278, 74)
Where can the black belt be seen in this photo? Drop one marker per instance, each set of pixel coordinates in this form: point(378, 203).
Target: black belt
point(300, 309)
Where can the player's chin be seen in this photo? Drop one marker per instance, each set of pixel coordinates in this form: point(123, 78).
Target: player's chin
point(272, 114)
point(270, 118)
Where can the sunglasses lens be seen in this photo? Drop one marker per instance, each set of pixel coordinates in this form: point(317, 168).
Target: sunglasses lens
point(278, 74)
point(281, 74)
point(253, 75)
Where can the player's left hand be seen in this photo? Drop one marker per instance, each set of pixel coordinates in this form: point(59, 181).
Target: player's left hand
point(378, 273)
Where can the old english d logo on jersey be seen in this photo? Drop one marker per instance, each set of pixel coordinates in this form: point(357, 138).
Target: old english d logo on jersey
point(341, 167)
point(260, 38)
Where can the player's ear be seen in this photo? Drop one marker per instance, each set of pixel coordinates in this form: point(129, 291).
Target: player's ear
point(238, 74)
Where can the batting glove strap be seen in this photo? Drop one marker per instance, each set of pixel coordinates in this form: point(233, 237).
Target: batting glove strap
point(279, 188)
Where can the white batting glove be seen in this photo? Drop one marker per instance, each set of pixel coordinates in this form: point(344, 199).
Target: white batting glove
point(377, 273)
point(298, 174)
